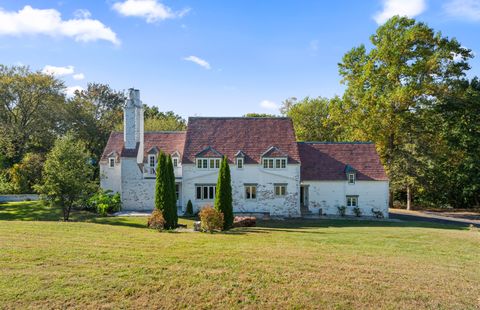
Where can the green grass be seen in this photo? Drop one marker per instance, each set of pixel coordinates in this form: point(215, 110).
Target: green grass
point(117, 263)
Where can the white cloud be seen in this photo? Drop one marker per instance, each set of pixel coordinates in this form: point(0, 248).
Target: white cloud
point(269, 105)
point(82, 13)
point(31, 21)
point(78, 76)
point(151, 10)
point(58, 71)
point(198, 61)
point(70, 91)
point(410, 8)
point(468, 9)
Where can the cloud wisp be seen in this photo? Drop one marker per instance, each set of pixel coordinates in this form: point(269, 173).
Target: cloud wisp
point(31, 21)
point(151, 10)
point(199, 61)
point(463, 9)
point(63, 71)
point(269, 105)
point(409, 8)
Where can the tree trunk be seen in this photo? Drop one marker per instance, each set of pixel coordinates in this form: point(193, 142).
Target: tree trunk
point(409, 198)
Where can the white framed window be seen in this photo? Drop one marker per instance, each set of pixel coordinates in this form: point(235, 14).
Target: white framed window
point(205, 191)
point(111, 162)
point(177, 191)
point(277, 163)
point(240, 163)
point(352, 201)
point(151, 161)
point(351, 178)
point(280, 190)
point(175, 161)
point(268, 163)
point(250, 191)
point(204, 163)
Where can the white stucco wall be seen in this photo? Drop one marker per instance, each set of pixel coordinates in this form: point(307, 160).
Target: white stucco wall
point(288, 206)
point(137, 193)
point(110, 178)
point(328, 195)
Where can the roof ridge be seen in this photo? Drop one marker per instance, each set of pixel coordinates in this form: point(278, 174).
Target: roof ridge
point(238, 117)
point(343, 142)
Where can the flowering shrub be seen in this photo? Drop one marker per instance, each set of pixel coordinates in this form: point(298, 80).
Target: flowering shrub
point(156, 220)
point(244, 221)
point(211, 219)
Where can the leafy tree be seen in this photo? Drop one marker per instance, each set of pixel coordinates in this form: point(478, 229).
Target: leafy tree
point(27, 173)
point(312, 118)
point(223, 196)
point(93, 113)
point(29, 102)
point(407, 69)
point(67, 174)
point(259, 115)
point(162, 121)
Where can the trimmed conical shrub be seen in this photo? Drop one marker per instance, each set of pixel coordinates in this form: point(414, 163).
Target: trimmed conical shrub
point(165, 199)
point(223, 196)
point(172, 220)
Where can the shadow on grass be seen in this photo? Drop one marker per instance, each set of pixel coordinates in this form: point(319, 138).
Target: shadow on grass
point(38, 211)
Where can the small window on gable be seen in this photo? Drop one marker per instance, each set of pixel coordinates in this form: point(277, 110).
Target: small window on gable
point(151, 161)
point(111, 162)
point(240, 163)
point(212, 163)
point(352, 201)
point(175, 161)
point(351, 178)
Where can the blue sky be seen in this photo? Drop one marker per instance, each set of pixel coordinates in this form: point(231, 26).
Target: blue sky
point(212, 58)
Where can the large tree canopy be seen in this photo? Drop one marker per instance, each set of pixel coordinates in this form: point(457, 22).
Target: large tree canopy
point(407, 70)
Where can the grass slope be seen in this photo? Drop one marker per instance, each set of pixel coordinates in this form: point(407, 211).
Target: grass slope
point(114, 263)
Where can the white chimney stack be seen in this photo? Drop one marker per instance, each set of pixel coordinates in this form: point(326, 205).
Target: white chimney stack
point(133, 121)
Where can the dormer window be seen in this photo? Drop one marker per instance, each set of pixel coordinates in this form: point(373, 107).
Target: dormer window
point(151, 161)
point(274, 163)
point(111, 162)
point(175, 161)
point(208, 163)
point(351, 178)
point(240, 163)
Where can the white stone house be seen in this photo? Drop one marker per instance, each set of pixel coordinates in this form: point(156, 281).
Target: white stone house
point(271, 172)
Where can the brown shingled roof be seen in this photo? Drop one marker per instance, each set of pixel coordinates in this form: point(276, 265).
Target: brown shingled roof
point(328, 161)
point(166, 141)
point(228, 135)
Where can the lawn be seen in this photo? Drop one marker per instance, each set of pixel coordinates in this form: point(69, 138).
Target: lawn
point(117, 263)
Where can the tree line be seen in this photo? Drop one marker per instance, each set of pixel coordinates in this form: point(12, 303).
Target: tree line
point(409, 94)
point(34, 112)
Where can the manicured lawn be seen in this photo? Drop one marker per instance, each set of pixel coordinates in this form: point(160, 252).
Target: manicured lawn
point(116, 263)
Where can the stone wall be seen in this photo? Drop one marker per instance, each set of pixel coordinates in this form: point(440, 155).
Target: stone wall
point(328, 195)
point(266, 202)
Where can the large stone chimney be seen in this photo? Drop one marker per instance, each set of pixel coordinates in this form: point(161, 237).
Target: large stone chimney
point(133, 121)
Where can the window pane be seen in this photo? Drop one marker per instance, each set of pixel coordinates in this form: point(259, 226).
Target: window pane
point(211, 195)
point(199, 163)
point(175, 162)
point(247, 192)
point(217, 163)
point(199, 192)
point(205, 192)
point(205, 163)
point(277, 163)
point(284, 163)
point(265, 163)
point(254, 192)
point(284, 190)
point(270, 163)
point(112, 162)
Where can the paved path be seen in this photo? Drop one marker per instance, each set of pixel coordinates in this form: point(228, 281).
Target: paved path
point(430, 217)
